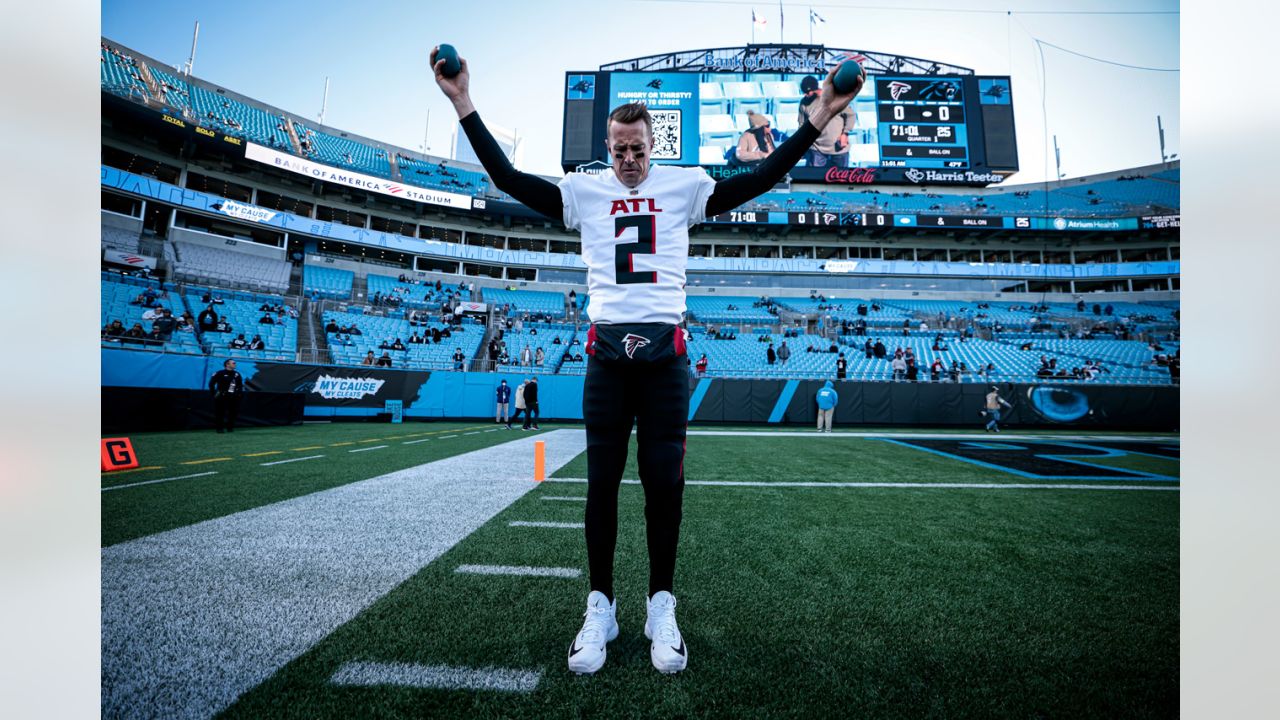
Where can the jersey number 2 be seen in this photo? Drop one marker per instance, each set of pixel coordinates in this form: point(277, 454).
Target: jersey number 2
point(623, 253)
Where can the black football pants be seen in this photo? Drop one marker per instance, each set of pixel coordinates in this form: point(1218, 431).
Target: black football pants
point(655, 397)
point(225, 408)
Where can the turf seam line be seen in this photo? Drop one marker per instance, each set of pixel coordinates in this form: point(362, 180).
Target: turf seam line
point(477, 432)
point(564, 497)
point(436, 677)
point(375, 447)
point(543, 524)
point(290, 460)
point(152, 482)
point(524, 570)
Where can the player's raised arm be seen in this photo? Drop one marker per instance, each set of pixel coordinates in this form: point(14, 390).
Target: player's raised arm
point(537, 194)
point(732, 192)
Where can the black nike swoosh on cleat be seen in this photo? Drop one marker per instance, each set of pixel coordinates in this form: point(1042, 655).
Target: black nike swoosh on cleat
point(680, 650)
point(575, 650)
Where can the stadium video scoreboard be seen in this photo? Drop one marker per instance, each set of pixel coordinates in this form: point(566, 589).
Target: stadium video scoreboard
point(906, 129)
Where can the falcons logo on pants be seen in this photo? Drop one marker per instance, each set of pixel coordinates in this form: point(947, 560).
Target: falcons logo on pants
point(633, 342)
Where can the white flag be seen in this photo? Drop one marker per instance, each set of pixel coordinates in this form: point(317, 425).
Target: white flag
point(758, 20)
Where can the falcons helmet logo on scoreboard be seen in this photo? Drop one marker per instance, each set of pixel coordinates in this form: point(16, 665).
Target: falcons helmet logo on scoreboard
point(633, 342)
point(897, 89)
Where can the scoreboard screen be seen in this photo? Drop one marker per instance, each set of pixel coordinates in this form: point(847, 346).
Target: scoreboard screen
point(896, 123)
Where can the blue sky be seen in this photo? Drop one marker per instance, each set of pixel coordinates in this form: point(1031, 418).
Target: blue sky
point(376, 56)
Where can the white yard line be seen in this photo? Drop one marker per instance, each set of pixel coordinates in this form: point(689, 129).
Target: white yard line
point(161, 480)
point(446, 437)
point(1155, 485)
point(521, 570)
point(572, 498)
point(375, 447)
point(414, 442)
point(291, 460)
point(436, 677)
point(194, 617)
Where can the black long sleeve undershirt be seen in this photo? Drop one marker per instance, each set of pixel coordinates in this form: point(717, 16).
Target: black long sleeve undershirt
point(536, 194)
point(734, 191)
point(544, 197)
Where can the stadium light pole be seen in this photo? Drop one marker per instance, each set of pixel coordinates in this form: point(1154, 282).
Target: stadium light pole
point(1057, 158)
point(191, 61)
point(1160, 130)
point(426, 130)
point(324, 103)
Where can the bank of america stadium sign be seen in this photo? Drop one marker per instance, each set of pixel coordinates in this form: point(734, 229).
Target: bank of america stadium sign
point(360, 181)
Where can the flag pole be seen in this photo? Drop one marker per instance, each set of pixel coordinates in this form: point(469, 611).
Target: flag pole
point(811, 25)
point(782, 24)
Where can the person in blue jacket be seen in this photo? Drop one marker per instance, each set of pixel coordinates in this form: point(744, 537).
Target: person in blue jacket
point(827, 399)
point(501, 415)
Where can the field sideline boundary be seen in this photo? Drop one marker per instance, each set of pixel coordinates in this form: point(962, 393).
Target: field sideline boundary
point(907, 485)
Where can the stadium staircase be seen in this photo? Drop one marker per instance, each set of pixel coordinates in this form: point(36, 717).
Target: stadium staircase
point(153, 87)
point(480, 361)
point(312, 346)
point(395, 167)
point(360, 289)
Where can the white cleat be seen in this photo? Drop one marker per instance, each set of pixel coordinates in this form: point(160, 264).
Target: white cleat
point(587, 653)
point(668, 653)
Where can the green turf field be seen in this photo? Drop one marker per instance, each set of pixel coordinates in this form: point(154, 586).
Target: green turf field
point(812, 602)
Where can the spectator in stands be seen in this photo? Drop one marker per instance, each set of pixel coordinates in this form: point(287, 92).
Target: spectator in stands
point(899, 366)
point(384, 361)
point(256, 343)
point(770, 355)
point(415, 338)
point(935, 370)
point(113, 330)
point(701, 367)
point(332, 327)
point(210, 299)
point(208, 319)
point(924, 327)
point(504, 358)
point(784, 352)
point(539, 357)
point(459, 359)
point(369, 359)
point(164, 325)
point(266, 320)
point(397, 345)
point(227, 386)
point(239, 343)
point(135, 333)
point(755, 144)
point(827, 399)
point(526, 356)
point(879, 350)
point(531, 403)
point(842, 367)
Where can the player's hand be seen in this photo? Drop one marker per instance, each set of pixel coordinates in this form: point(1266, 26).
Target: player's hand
point(455, 88)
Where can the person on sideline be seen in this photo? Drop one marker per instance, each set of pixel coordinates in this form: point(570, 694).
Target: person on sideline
point(827, 399)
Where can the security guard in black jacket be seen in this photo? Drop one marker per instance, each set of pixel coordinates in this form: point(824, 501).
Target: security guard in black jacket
point(227, 386)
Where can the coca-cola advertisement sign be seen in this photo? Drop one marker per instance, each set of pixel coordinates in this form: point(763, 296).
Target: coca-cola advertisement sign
point(849, 176)
point(894, 176)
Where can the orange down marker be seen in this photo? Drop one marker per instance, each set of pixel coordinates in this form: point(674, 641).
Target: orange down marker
point(118, 454)
point(539, 460)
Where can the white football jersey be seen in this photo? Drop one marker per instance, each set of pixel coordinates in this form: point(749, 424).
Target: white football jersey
point(635, 241)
